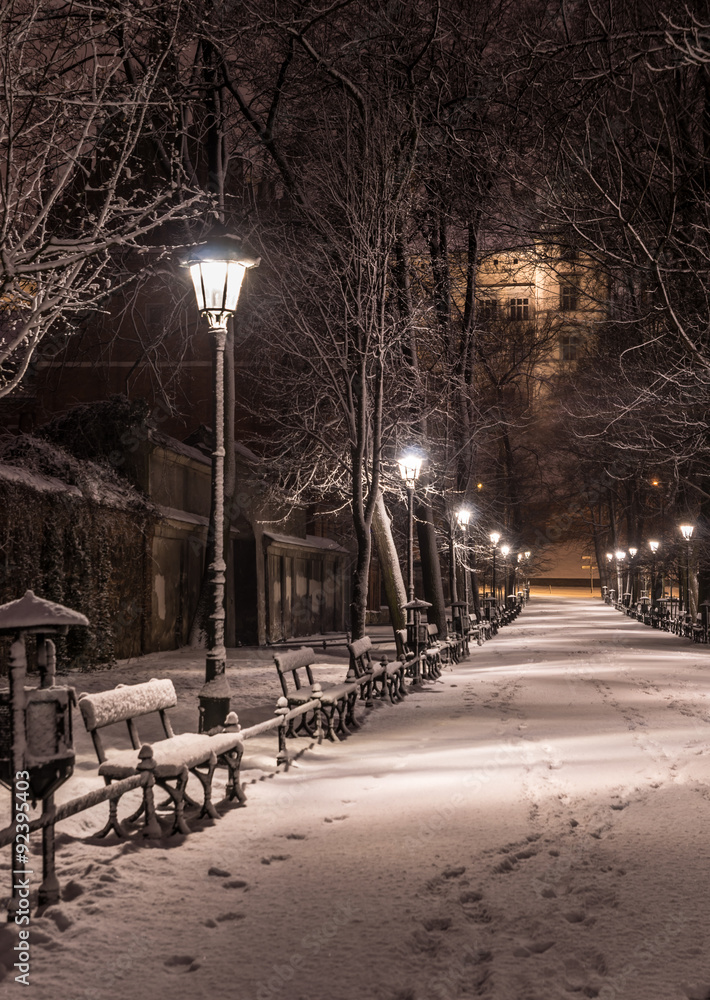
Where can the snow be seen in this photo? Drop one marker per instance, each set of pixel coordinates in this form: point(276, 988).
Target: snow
point(36, 481)
point(30, 611)
point(533, 826)
point(310, 541)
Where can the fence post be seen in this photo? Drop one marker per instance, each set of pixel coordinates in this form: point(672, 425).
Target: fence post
point(318, 713)
point(282, 711)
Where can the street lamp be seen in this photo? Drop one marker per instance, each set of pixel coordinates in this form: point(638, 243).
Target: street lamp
point(632, 573)
point(495, 538)
point(410, 465)
point(463, 516)
point(653, 546)
point(504, 550)
point(686, 531)
point(217, 269)
point(619, 555)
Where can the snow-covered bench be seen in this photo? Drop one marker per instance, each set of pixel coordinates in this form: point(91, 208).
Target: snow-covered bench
point(338, 698)
point(439, 650)
point(383, 677)
point(427, 664)
point(480, 631)
point(174, 757)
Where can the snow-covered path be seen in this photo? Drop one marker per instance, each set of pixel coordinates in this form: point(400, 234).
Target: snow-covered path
point(532, 827)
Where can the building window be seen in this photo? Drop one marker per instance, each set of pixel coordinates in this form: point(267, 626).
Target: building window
point(569, 347)
point(519, 309)
point(487, 310)
point(568, 298)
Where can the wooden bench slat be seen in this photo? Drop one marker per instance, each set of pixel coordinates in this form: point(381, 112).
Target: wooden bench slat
point(126, 702)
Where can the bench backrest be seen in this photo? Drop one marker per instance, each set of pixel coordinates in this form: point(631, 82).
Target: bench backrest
point(125, 703)
point(360, 656)
point(290, 662)
point(432, 630)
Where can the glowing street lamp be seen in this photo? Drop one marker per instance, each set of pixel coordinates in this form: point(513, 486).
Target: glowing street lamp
point(653, 546)
point(504, 550)
point(495, 538)
point(463, 516)
point(217, 269)
point(410, 465)
point(686, 531)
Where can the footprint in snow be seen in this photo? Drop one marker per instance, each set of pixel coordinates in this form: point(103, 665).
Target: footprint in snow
point(437, 923)
point(334, 819)
point(275, 857)
point(701, 992)
point(528, 948)
point(423, 943)
point(181, 963)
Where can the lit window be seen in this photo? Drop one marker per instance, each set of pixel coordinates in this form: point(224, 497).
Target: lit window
point(519, 309)
point(568, 298)
point(569, 347)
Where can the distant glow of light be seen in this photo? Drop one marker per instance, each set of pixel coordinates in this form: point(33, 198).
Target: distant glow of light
point(495, 537)
point(610, 556)
point(686, 531)
point(620, 554)
point(632, 552)
point(653, 546)
point(505, 549)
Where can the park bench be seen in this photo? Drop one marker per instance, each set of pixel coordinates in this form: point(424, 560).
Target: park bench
point(174, 757)
point(491, 616)
point(381, 678)
point(423, 666)
point(480, 631)
point(337, 699)
point(457, 640)
point(438, 650)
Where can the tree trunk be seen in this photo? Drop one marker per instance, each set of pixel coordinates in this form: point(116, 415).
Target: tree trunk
point(389, 563)
point(431, 569)
point(358, 604)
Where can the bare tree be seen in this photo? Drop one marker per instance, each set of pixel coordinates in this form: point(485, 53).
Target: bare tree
point(81, 183)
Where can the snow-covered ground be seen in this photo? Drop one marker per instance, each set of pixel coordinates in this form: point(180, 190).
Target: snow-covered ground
point(533, 826)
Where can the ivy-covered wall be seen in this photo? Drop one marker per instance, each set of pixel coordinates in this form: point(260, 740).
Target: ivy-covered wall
point(85, 544)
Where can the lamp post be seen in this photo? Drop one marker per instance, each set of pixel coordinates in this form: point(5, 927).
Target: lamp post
point(495, 538)
point(686, 531)
point(653, 546)
point(504, 550)
point(463, 516)
point(410, 466)
point(632, 573)
point(619, 555)
point(217, 269)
